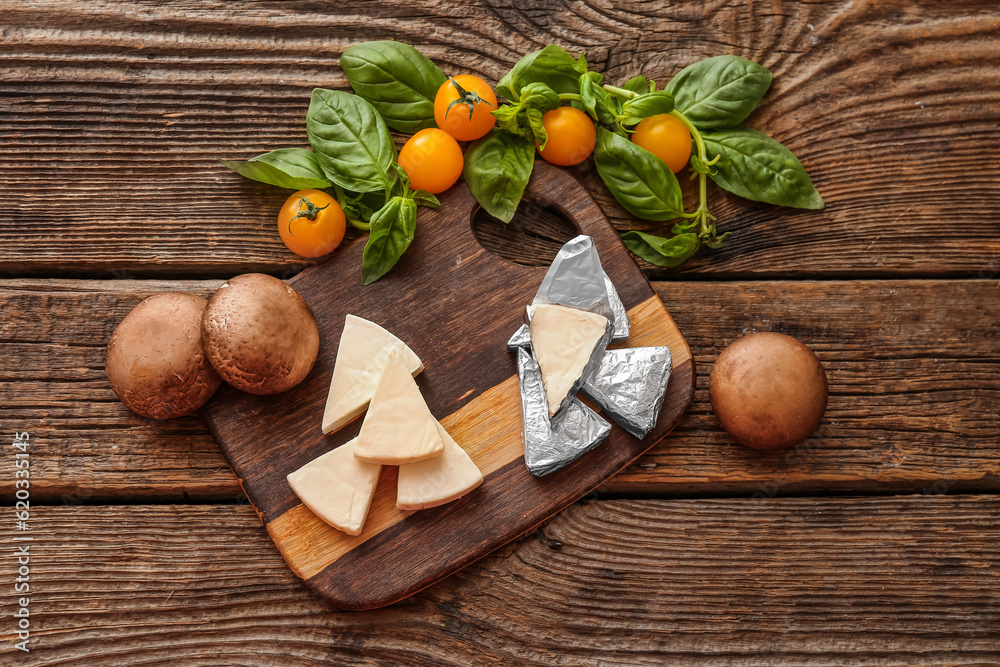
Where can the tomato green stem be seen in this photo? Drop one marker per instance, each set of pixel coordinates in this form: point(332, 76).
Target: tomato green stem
point(470, 99)
point(309, 214)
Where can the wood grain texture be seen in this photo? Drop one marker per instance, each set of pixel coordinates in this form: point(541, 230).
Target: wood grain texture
point(787, 582)
point(913, 373)
point(455, 304)
point(111, 116)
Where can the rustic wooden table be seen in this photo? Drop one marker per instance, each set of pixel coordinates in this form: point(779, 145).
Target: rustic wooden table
point(874, 543)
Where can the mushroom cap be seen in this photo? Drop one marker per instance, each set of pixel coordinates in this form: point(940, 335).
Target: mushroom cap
point(155, 362)
point(768, 390)
point(260, 334)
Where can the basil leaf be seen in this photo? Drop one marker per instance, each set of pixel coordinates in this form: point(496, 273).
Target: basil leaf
point(424, 198)
point(661, 251)
point(497, 169)
point(392, 229)
point(595, 100)
point(719, 92)
point(643, 106)
point(551, 65)
point(292, 168)
point(755, 166)
point(397, 79)
point(640, 181)
point(540, 96)
point(506, 112)
point(637, 84)
point(538, 132)
point(352, 143)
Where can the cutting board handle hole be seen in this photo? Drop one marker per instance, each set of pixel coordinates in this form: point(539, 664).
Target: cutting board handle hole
point(532, 237)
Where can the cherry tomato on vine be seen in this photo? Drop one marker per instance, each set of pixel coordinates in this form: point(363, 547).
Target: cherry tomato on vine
point(311, 223)
point(665, 137)
point(456, 98)
point(571, 136)
point(432, 159)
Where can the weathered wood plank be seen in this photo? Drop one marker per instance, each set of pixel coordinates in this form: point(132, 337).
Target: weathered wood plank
point(805, 582)
point(121, 110)
point(913, 366)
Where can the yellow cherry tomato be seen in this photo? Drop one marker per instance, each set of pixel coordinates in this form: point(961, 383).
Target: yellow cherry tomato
point(665, 137)
point(311, 223)
point(571, 136)
point(452, 107)
point(432, 159)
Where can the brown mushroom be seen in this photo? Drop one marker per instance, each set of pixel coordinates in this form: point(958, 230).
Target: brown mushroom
point(155, 362)
point(768, 390)
point(260, 334)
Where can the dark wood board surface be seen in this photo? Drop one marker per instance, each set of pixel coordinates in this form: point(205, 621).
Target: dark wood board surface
point(111, 115)
point(455, 304)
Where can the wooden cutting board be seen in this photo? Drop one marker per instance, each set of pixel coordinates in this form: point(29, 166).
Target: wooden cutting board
point(455, 304)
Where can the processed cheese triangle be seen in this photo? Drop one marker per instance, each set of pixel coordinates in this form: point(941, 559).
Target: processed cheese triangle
point(563, 340)
point(437, 480)
point(399, 428)
point(364, 349)
point(337, 487)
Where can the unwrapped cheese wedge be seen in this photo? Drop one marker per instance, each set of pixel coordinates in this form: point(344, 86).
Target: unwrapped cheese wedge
point(337, 487)
point(437, 480)
point(399, 428)
point(563, 340)
point(364, 349)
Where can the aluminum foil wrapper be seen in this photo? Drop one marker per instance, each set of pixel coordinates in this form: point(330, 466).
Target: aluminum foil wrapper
point(630, 385)
point(521, 338)
point(552, 444)
point(622, 326)
point(577, 279)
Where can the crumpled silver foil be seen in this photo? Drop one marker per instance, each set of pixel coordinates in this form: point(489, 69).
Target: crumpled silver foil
point(622, 325)
point(552, 444)
point(577, 279)
point(630, 385)
point(521, 338)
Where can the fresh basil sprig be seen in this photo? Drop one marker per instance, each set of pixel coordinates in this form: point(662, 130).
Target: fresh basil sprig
point(352, 142)
point(661, 251)
point(397, 79)
point(524, 117)
point(645, 105)
point(551, 66)
point(641, 182)
point(292, 168)
point(497, 169)
point(755, 166)
point(392, 230)
point(719, 92)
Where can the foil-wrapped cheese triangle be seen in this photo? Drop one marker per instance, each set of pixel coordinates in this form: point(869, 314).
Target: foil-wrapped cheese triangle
point(630, 385)
point(552, 444)
point(575, 280)
point(622, 325)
